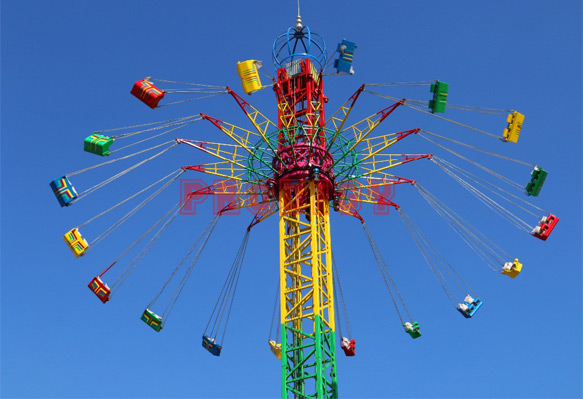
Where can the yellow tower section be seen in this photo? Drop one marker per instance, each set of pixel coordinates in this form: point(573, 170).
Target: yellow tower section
point(307, 293)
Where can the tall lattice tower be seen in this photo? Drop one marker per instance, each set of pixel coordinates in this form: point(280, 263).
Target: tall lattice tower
point(304, 186)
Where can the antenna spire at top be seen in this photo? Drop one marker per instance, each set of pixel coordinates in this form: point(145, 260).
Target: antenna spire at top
point(299, 25)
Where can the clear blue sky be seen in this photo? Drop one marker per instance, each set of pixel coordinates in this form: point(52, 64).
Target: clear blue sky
point(67, 68)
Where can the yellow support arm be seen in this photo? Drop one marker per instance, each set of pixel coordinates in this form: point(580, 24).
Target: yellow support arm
point(379, 180)
point(245, 195)
point(381, 162)
point(225, 152)
point(362, 129)
point(267, 209)
point(261, 123)
point(339, 117)
point(375, 145)
point(222, 169)
point(240, 136)
point(356, 191)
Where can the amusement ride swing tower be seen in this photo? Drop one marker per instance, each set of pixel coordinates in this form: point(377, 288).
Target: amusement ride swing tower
point(304, 186)
point(300, 168)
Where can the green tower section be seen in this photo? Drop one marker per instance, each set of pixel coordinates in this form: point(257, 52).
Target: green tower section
point(308, 362)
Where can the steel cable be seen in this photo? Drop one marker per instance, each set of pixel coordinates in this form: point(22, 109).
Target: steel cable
point(140, 256)
point(475, 240)
point(381, 263)
point(489, 202)
point(118, 159)
point(483, 183)
point(206, 234)
point(128, 199)
point(473, 148)
point(476, 164)
point(152, 137)
point(345, 312)
point(122, 173)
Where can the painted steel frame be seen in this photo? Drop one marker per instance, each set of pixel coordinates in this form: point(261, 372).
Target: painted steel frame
point(307, 300)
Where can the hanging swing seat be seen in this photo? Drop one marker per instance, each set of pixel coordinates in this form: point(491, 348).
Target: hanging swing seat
point(538, 177)
point(275, 349)
point(248, 71)
point(469, 307)
point(210, 345)
point(98, 144)
point(100, 289)
point(147, 93)
point(152, 319)
point(412, 329)
point(344, 61)
point(348, 346)
point(512, 269)
point(439, 101)
point(64, 190)
point(515, 121)
point(545, 226)
point(76, 243)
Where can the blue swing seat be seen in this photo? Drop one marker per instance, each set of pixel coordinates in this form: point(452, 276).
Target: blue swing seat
point(210, 345)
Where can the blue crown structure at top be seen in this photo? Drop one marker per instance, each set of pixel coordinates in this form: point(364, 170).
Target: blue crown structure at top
point(299, 43)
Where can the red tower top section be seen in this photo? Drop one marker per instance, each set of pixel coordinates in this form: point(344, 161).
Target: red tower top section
point(300, 101)
point(302, 141)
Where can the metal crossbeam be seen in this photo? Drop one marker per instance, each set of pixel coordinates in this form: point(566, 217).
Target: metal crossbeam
point(307, 305)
